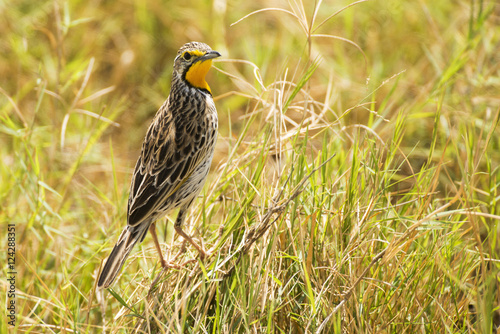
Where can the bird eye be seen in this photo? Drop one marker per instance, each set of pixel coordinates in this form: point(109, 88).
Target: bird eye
point(187, 55)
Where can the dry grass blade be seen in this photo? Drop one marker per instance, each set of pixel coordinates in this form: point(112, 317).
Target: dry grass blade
point(76, 99)
point(14, 105)
point(347, 41)
point(336, 13)
point(265, 10)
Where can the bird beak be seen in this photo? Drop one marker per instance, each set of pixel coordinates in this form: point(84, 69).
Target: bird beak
point(209, 55)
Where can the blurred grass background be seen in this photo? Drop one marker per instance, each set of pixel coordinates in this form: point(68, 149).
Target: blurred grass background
point(398, 232)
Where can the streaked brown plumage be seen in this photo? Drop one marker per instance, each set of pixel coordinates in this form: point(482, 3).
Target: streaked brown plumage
point(175, 158)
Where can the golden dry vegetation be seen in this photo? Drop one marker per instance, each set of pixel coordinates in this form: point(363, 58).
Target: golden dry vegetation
point(354, 187)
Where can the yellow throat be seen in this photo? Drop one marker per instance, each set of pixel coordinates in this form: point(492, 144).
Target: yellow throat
point(197, 72)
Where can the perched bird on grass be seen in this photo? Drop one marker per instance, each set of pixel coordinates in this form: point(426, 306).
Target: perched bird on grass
point(175, 159)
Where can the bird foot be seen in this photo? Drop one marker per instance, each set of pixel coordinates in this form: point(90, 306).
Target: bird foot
point(168, 264)
point(165, 266)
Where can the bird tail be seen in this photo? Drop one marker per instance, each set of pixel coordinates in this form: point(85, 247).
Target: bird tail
point(129, 237)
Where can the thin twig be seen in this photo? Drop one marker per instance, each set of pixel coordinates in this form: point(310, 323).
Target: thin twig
point(276, 209)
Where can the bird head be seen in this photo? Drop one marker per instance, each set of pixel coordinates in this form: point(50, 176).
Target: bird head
point(192, 63)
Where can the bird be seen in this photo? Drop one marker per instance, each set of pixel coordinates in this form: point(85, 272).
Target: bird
point(175, 158)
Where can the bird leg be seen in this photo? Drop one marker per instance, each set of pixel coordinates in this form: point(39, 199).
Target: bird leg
point(178, 222)
point(203, 253)
point(164, 263)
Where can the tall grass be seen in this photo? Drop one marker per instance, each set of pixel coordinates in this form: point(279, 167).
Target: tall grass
point(354, 187)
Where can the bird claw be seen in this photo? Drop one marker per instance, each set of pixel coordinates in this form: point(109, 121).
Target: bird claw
point(167, 265)
point(205, 254)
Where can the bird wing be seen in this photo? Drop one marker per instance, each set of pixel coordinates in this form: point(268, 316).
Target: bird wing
point(170, 154)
